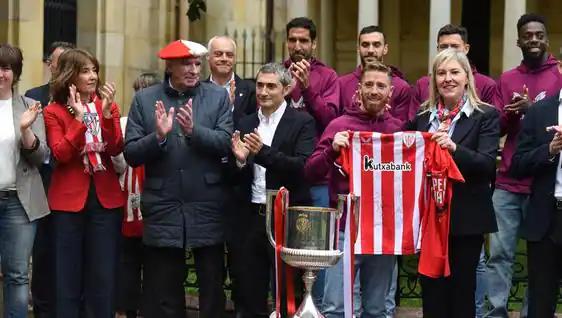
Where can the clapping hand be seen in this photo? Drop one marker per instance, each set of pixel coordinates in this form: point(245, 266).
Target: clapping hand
point(74, 104)
point(29, 116)
point(185, 117)
point(253, 142)
point(301, 71)
point(107, 93)
point(239, 148)
point(164, 121)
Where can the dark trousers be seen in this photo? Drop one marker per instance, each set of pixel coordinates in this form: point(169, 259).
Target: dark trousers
point(164, 275)
point(258, 257)
point(544, 268)
point(454, 296)
point(86, 251)
point(129, 275)
point(42, 281)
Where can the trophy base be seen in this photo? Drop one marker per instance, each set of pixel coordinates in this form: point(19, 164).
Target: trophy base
point(307, 309)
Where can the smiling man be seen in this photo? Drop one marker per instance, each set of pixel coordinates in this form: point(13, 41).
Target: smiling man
point(370, 114)
point(222, 63)
point(180, 131)
point(518, 89)
point(270, 148)
point(372, 48)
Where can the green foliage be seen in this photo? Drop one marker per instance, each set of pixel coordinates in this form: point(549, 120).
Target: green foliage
point(195, 9)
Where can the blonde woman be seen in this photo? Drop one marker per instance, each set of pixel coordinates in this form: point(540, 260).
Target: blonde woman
point(469, 129)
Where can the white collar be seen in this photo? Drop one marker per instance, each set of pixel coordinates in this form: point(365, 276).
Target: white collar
point(467, 109)
point(275, 116)
point(227, 84)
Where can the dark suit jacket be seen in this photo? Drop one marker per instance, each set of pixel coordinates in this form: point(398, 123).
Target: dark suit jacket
point(293, 142)
point(40, 94)
point(477, 140)
point(245, 100)
point(531, 158)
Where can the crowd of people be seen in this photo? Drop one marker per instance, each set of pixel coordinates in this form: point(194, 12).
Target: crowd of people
point(106, 206)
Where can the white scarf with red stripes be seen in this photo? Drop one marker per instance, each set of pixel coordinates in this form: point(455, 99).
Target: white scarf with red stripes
point(94, 142)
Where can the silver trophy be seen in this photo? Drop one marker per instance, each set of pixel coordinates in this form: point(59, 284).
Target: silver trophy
point(310, 242)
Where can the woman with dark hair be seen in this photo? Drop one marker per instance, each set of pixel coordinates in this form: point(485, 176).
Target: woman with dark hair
point(83, 133)
point(469, 129)
point(22, 198)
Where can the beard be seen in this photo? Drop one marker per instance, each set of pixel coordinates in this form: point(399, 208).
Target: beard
point(298, 56)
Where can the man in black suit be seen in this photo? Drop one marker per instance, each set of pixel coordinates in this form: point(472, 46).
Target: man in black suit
point(270, 148)
point(538, 155)
point(41, 284)
point(222, 59)
point(242, 95)
point(41, 93)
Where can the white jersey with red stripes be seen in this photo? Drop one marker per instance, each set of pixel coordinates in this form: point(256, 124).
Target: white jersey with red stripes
point(387, 171)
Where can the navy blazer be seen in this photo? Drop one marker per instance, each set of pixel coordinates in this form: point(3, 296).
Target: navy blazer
point(477, 139)
point(532, 158)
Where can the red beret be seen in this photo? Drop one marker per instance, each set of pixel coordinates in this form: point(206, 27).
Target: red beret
point(181, 49)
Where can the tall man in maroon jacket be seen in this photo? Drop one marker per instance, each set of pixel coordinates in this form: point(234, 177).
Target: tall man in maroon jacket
point(534, 79)
point(315, 90)
point(372, 48)
point(456, 37)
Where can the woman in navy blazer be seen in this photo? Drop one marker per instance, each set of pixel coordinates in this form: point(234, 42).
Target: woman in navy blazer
point(469, 129)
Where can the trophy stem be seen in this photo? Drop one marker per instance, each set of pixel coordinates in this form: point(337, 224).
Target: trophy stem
point(307, 308)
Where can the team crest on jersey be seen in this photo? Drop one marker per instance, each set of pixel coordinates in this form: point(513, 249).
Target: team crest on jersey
point(408, 140)
point(92, 122)
point(540, 96)
point(438, 190)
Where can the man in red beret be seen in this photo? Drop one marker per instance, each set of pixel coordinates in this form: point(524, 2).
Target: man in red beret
point(180, 131)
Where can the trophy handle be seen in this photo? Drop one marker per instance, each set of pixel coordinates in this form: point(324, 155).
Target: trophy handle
point(269, 201)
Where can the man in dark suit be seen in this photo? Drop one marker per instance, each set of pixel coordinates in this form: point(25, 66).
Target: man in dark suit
point(270, 148)
point(180, 130)
point(41, 93)
point(222, 59)
point(538, 155)
point(41, 285)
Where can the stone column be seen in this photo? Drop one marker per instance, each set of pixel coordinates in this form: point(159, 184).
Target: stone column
point(327, 26)
point(367, 14)
point(512, 11)
point(296, 8)
point(24, 29)
point(439, 15)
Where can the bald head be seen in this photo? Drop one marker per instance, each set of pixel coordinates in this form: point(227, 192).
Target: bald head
point(222, 57)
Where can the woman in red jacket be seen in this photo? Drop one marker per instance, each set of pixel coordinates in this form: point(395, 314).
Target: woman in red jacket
point(83, 132)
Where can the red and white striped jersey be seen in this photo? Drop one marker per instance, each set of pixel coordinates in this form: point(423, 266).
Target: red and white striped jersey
point(390, 173)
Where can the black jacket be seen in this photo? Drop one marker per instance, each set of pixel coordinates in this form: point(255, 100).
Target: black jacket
point(245, 99)
point(293, 142)
point(183, 197)
point(477, 139)
point(531, 158)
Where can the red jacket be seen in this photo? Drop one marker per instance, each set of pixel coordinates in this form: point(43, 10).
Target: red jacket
point(69, 186)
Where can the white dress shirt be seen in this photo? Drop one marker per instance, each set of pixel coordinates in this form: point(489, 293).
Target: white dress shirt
point(558, 183)
point(266, 129)
point(226, 85)
point(8, 147)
